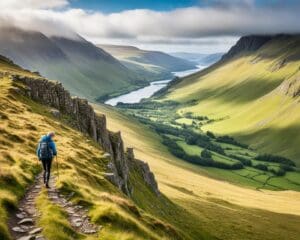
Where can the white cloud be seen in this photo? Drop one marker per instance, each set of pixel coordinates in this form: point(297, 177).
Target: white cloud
point(188, 26)
point(32, 4)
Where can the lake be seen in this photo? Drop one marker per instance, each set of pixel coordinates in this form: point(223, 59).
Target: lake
point(146, 92)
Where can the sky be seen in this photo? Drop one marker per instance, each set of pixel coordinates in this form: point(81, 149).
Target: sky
point(204, 26)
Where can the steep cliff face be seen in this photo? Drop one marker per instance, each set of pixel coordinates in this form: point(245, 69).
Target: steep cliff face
point(84, 118)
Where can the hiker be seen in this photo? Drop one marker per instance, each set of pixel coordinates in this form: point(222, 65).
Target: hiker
point(46, 151)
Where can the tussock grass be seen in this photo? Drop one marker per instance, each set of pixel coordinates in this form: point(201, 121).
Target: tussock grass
point(54, 220)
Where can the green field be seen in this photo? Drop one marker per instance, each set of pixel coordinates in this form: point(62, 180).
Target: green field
point(248, 176)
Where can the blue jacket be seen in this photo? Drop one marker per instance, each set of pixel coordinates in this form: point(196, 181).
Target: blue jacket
point(52, 145)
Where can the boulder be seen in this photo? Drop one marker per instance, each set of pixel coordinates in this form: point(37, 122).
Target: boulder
point(55, 113)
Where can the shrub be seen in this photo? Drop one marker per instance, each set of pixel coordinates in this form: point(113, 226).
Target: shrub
point(206, 154)
point(210, 134)
point(261, 166)
point(244, 161)
point(230, 140)
point(280, 172)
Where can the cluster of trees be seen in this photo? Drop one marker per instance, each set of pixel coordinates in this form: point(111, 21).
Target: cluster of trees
point(244, 161)
point(231, 140)
point(210, 134)
point(205, 141)
point(149, 105)
point(204, 160)
point(191, 116)
point(276, 159)
point(280, 171)
point(261, 166)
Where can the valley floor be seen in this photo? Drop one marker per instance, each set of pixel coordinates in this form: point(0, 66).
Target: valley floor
point(225, 210)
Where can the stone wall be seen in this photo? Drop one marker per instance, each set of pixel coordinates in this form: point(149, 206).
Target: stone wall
point(85, 119)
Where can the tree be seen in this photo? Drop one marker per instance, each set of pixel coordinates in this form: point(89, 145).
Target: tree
point(210, 134)
point(206, 154)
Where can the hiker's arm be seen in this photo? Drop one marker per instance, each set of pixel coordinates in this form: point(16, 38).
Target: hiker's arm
point(38, 150)
point(53, 147)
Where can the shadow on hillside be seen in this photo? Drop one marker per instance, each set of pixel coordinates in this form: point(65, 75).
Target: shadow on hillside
point(240, 93)
point(281, 141)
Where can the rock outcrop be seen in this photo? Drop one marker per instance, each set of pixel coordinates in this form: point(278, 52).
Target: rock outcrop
point(84, 118)
point(143, 169)
point(247, 43)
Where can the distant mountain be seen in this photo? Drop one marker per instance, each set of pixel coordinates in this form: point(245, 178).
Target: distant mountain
point(154, 65)
point(252, 93)
point(199, 58)
point(84, 69)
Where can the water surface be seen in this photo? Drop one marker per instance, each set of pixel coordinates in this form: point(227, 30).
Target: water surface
point(137, 95)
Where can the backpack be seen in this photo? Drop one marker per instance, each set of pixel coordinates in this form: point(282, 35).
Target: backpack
point(45, 151)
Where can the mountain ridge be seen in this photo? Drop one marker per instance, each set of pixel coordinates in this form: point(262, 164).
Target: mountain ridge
point(84, 69)
point(154, 65)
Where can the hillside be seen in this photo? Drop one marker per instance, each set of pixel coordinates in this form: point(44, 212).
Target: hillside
point(225, 210)
point(83, 68)
point(199, 58)
point(116, 191)
point(252, 94)
point(154, 65)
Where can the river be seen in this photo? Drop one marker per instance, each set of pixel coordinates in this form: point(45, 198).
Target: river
point(146, 92)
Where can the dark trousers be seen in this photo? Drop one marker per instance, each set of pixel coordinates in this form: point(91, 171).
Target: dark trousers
point(47, 168)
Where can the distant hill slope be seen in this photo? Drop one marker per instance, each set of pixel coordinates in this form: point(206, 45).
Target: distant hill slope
point(199, 58)
point(83, 68)
point(154, 65)
point(252, 93)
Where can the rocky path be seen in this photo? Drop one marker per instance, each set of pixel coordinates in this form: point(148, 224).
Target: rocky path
point(23, 223)
point(77, 215)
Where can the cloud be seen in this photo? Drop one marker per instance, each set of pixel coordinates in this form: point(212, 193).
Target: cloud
point(32, 4)
point(192, 25)
point(194, 22)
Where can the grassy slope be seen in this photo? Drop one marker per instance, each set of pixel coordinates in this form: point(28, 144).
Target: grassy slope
point(226, 211)
point(82, 166)
point(249, 92)
point(152, 65)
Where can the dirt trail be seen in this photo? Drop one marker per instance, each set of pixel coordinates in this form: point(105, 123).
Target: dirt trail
point(23, 223)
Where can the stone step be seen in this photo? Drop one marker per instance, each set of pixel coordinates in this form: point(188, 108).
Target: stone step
point(26, 221)
point(35, 231)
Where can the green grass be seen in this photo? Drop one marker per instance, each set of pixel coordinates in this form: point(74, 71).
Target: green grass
point(190, 149)
point(54, 220)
